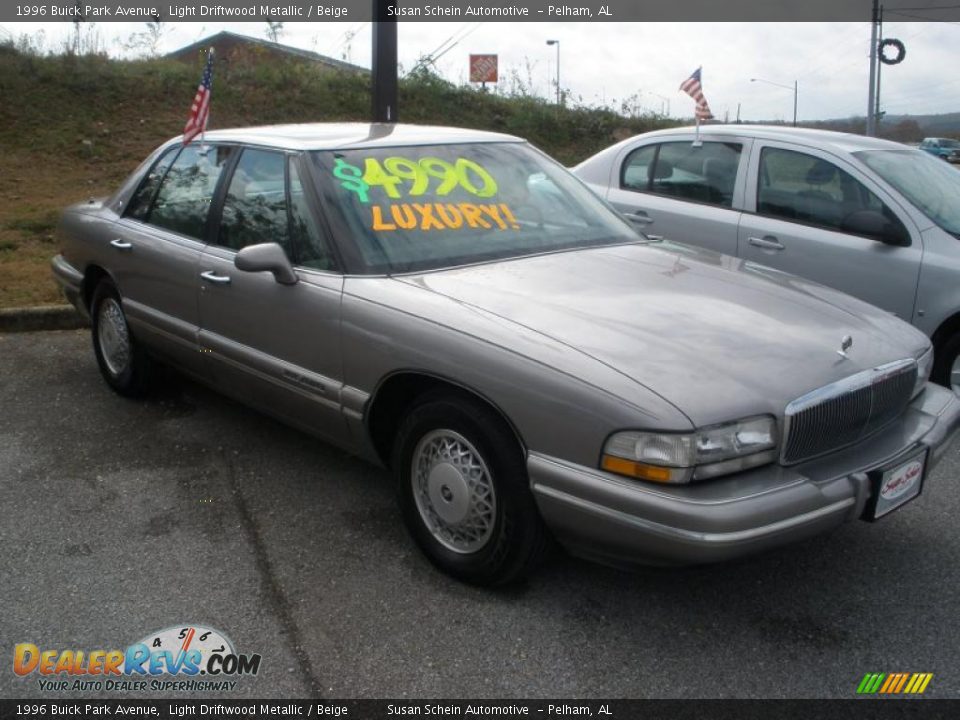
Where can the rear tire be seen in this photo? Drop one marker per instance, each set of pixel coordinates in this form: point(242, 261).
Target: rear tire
point(464, 491)
point(122, 361)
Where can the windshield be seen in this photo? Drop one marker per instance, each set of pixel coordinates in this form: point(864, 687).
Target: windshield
point(422, 207)
point(928, 182)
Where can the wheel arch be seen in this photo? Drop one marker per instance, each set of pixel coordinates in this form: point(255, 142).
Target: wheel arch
point(396, 393)
point(92, 276)
point(947, 329)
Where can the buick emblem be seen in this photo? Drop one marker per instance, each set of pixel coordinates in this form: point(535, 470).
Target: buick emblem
point(845, 345)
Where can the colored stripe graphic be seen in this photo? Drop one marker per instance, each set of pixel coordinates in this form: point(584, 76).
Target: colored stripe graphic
point(894, 683)
point(870, 683)
point(891, 681)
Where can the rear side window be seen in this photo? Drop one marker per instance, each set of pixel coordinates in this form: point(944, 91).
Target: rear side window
point(703, 174)
point(185, 195)
point(636, 168)
point(139, 206)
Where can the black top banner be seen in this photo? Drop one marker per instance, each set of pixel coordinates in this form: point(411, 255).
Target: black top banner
point(466, 11)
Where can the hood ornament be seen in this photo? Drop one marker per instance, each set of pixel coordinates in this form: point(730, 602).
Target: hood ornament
point(845, 345)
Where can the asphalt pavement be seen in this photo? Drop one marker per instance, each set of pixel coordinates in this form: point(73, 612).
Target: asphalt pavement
point(121, 518)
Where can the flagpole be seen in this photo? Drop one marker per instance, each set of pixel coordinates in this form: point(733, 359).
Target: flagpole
point(697, 142)
point(203, 130)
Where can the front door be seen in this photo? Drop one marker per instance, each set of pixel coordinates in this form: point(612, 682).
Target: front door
point(272, 345)
point(797, 220)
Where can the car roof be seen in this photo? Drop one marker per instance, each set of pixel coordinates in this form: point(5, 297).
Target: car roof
point(330, 136)
point(826, 139)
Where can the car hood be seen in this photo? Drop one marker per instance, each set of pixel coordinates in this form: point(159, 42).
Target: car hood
point(715, 336)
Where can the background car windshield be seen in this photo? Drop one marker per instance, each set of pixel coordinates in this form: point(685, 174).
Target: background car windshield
point(930, 184)
point(421, 207)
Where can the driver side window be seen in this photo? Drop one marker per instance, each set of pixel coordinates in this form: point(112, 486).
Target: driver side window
point(255, 208)
point(806, 189)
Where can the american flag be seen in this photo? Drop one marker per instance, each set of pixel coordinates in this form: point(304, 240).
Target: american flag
point(692, 87)
point(200, 110)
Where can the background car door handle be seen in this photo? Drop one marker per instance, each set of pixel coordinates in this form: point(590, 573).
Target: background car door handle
point(640, 218)
point(767, 243)
point(121, 244)
point(211, 276)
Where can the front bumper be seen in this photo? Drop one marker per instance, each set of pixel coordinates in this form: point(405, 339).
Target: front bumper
point(615, 520)
point(71, 282)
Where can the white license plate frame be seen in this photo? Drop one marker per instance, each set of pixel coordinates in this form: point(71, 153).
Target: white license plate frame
point(895, 484)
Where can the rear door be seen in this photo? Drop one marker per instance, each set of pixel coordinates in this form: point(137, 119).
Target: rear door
point(157, 244)
point(683, 190)
point(798, 210)
point(271, 345)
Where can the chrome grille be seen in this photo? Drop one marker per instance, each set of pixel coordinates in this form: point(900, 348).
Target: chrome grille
point(846, 411)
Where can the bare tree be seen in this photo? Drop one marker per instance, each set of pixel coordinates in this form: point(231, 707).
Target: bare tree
point(148, 41)
point(77, 19)
point(274, 30)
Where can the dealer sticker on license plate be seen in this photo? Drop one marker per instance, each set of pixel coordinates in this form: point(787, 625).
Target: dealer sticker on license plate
point(896, 485)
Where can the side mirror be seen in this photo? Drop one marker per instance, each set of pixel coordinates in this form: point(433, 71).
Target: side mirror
point(876, 225)
point(266, 257)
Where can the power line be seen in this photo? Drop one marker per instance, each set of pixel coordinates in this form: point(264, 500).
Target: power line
point(446, 46)
point(923, 7)
point(921, 17)
point(833, 42)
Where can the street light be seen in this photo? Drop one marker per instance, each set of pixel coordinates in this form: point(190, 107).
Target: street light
point(663, 99)
point(557, 43)
point(788, 87)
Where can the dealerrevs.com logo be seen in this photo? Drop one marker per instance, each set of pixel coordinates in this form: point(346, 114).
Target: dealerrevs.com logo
point(180, 658)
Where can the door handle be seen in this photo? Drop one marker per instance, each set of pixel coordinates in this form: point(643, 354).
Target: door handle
point(211, 276)
point(121, 244)
point(767, 243)
point(641, 218)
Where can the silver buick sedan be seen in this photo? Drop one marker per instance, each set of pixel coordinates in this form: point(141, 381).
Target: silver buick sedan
point(459, 308)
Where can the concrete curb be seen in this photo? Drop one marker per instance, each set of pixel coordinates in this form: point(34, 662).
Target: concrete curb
point(44, 317)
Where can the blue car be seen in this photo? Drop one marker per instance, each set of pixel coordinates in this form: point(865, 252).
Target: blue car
point(946, 148)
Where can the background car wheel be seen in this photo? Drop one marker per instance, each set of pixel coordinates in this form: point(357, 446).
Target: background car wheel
point(946, 364)
point(122, 362)
point(464, 491)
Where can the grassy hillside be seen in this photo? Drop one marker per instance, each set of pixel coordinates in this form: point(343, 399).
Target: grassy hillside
point(72, 127)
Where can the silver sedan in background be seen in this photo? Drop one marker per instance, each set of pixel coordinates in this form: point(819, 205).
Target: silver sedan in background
point(456, 306)
point(874, 218)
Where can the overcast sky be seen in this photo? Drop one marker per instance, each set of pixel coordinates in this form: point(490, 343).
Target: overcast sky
point(607, 63)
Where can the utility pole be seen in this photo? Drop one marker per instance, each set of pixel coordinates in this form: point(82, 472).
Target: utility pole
point(871, 94)
point(877, 115)
point(794, 103)
point(384, 67)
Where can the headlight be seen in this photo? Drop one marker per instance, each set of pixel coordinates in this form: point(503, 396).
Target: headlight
point(682, 457)
point(924, 367)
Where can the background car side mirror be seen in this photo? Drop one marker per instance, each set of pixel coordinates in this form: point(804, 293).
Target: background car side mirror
point(876, 225)
point(266, 257)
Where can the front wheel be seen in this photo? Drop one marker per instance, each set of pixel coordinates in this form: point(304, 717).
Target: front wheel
point(122, 362)
point(464, 492)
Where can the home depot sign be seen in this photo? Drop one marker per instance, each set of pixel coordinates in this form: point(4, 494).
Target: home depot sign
point(483, 68)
